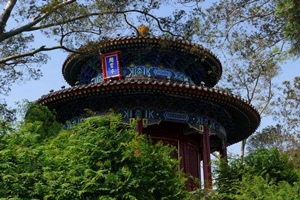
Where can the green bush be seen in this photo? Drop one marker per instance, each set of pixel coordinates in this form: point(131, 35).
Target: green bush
point(97, 159)
point(264, 174)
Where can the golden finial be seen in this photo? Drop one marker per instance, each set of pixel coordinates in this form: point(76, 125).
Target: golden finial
point(143, 30)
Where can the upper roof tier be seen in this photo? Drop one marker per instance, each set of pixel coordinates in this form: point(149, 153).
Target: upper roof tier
point(173, 59)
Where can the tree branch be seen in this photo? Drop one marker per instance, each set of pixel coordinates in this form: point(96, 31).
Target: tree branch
point(29, 53)
point(255, 85)
point(33, 28)
point(127, 22)
point(6, 14)
point(270, 96)
point(37, 20)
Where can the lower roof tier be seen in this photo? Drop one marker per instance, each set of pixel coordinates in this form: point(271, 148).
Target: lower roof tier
point(159, 100)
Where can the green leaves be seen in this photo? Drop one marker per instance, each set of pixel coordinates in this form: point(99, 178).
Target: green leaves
point(270, 163)
point(264, 174)
point(94, 160)
point(288, 105)
point(289, 11)
point(256, 187)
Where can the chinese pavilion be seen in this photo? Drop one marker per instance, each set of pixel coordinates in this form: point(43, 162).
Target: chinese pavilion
point(167, 86)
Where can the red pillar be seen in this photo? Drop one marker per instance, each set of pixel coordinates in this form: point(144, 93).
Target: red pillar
point(206, 159)
point(139, 125)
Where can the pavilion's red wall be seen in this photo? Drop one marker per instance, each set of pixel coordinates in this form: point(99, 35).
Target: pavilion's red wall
point(187, 146)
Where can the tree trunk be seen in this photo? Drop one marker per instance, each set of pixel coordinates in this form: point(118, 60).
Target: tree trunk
point(242, 152)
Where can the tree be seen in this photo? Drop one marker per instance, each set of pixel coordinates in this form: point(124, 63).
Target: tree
point(284, 137)
point(288, 105)
point(269, 24)
point(267, 168)
point(270, 137)
point(256, 187)
point(98, 159)
point(289, 11)
point(254, 37)
point(272, 165)
point(27, 25)
point(275, 137)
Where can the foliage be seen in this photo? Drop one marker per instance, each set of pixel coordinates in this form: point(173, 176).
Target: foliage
point(289, 10)
point(7, 114)
point(248, 35)
point(29, 29)
point(205, 194)
point(276, 137)
point(271, 164)
point(289, 106)
point(284, 137)
point(269, 137)
point(256, 187)
point(227, 174)
point(262, 24)
point(70, 24)
point(267, 164)
point(39, 119)
point(251, 36)
point(98, 159)
point(254, 38)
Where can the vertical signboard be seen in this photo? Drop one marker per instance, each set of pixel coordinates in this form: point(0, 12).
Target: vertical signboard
point(111, 65)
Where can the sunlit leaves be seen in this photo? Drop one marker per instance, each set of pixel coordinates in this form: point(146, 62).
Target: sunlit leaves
point(94, 159)
point(263, 172)
point(289, 11)
point(256, 187)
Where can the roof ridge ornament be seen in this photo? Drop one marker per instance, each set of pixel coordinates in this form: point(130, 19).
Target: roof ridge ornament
point(143, 31)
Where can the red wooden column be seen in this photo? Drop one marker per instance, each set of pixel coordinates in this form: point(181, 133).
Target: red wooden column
point(139, 125)
point(223, 153)
point(206, 159)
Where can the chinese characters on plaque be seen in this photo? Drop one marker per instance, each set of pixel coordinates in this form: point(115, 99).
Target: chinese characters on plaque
point(110, 65)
